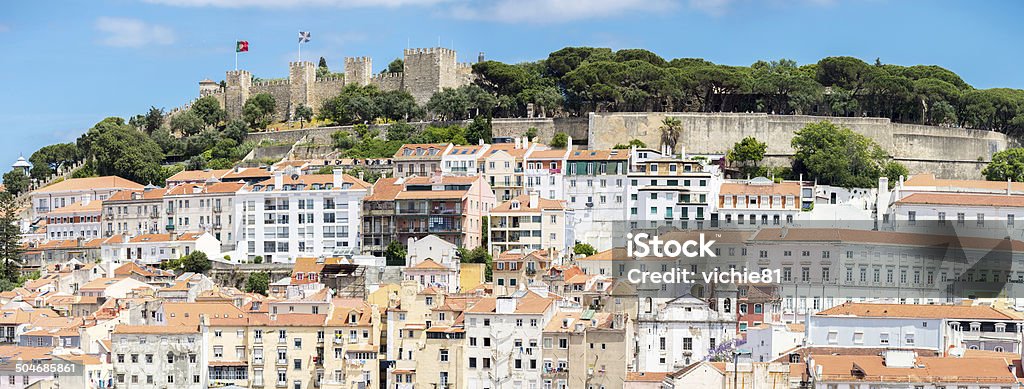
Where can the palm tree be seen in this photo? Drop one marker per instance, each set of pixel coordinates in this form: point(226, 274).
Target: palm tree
point(671, 128)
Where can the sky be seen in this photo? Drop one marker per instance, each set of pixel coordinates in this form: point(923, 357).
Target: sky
point(66, 65)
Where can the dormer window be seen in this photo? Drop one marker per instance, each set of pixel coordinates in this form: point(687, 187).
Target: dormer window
point(514, 205)
point(353, 318)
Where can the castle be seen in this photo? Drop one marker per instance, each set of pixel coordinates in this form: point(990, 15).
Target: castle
point(426, 71)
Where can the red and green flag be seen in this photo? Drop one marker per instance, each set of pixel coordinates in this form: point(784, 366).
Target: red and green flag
point(242, 46)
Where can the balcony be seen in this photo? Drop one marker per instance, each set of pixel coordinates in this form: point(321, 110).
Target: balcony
point(42, 209)
point(169, 227)
point(154, 214)
point(216, 226)
point(412, 211)
point(217, 208)
point(170, 210)
point(446, 210)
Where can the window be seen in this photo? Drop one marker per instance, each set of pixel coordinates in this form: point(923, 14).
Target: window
point(444, 355)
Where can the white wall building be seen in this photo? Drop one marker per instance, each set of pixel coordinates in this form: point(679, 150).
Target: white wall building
point(505, 341)
point(680, 332)
point(300, 216)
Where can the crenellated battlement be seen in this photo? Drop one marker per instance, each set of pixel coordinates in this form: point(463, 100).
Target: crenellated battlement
point(429, 50)
point(385, 76)
point(425, 72)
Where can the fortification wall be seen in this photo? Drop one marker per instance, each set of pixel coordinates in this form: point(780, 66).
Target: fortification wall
point(948, 152)
point(323, 89)
point(388, 81)
point(280, 90)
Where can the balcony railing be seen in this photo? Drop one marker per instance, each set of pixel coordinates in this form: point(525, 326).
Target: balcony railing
point(217, 208)
point(169, 227)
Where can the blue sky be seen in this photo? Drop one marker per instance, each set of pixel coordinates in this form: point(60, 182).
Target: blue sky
point(66, 65)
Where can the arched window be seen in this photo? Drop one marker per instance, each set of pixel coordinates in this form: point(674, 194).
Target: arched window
point(727, 306)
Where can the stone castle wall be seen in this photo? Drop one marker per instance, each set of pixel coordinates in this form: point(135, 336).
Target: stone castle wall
point(947, 152)
point(426, 71)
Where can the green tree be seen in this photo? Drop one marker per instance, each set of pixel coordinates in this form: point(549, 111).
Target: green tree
point(560, 140)
point(400, 131)
point(187, 123)
point(396, 66)
point(395, 253)
point(748, 153)
point(48, 159)
point(208, 109)
point(153, 120)
point(1006, 165)
point(123, 151)
point(635, 142)
point(838, 156)
point(584, 249)
point(671, 128)
point(397, 105)
point(531, 133)
point(448, 104)
point(477, 255)
point(16, 182)
point(355, 104)
point(10, 241)
point(303, 113)
point(258, 282)
point(258, 110)
point(479, 129)
point(196, 262)
point(236, 129)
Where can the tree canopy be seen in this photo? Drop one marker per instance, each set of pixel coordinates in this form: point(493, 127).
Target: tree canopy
point(1006, 165)
point(838, 156)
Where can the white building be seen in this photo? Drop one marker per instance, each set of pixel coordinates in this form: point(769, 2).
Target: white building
point(770, 340)
point(300, 216)
point(936, 327)
point(668, 190)
point(680, 332)
point(463, 160)
point(205, 207)
point(154, 249)
point(760, 201)
point(73, 190)
point(544, 172)
point(596, 190)
point(158, 357)
point(78, 220)
point(505, 348)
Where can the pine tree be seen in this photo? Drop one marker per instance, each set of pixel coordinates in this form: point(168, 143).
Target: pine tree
point(10, 241)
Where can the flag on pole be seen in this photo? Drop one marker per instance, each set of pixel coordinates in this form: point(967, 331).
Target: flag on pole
point(242, 46)
point(304, 36)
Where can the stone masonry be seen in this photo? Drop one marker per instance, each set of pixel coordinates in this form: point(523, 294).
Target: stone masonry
point(426, 71)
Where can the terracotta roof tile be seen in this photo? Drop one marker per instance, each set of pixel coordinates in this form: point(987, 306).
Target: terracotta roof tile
point(959, 312)
point(90, 183)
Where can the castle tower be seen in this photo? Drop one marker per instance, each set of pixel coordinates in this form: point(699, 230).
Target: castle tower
point(208, 87)
point(301, 76)
point(358, 70)
point(239, 84)
point(429, 70)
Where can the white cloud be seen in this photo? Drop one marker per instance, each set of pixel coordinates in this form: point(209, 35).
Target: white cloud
point(124, 32)
point(543, 11)
point(293, 3)
point(712, 7)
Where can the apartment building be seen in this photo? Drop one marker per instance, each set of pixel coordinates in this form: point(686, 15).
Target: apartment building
point(157, 356)
point(503, 164)
point(505, 334)
point(545, 172)
point(153, 249)
point(410, 313)
point(514, 269)
point(596, 189)
point(134, 212)
point(442, 358)
point(529, 222)
point(287, 350)
point(464, 160)
point(420, 159)
point(586, 349)
point(237, 174)
point(78, 220)
point(935, 327)
point(760, 201)
point(205, 207)
point(670, 190)
point(311, 215)
point(449, 207)
point(73, 190)
point(904, 368)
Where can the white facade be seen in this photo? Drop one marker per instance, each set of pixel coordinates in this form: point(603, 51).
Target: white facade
point(144, 358)
point(508, 338)
point(300, 216)
point(152, 249)
point(596, 188)
point(679, 333)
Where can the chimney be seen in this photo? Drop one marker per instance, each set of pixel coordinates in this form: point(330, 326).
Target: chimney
point(480, 142)
point(278, 180)
point(339, 179)
point(568, 143)
point(1009, 186)
point(517, 144)
point(505, 304)
point(534, 199)
point(173, 236)
point(526, 142)
point(360, 175)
